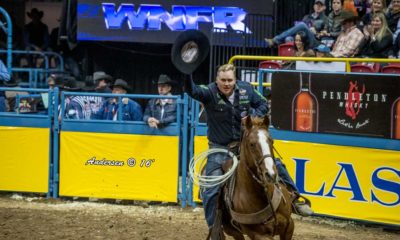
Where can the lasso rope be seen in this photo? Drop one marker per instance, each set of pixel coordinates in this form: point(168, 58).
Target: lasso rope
point(198, 162)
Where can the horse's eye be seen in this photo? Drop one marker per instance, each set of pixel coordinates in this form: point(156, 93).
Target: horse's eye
point(252, 144)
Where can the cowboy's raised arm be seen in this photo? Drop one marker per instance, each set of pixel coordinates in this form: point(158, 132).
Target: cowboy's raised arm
point(199, 92)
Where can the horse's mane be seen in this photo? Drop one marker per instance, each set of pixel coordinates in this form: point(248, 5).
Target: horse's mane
point(258, 122)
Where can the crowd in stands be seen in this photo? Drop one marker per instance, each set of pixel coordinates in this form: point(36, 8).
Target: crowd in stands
point(367, 29)
point(359, 28)
point(158, 112)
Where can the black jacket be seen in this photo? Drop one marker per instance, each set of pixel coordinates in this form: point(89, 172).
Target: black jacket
point(224, 118)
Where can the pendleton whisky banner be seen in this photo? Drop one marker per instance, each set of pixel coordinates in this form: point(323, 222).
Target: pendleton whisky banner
point(357, 104)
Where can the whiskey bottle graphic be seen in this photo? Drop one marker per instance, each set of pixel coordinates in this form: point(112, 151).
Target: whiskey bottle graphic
point(396, 119)
point(305, 108)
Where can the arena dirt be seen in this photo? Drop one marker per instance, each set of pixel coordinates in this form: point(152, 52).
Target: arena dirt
point(24, 217)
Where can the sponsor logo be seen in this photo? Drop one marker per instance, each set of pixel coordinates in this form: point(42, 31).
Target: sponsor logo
point(151, 17)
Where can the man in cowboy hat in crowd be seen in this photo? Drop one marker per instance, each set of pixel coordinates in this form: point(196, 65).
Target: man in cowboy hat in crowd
point(36, 33)
point(160, 112)
point(103, 82)
point(131, 110)
point(350, 39)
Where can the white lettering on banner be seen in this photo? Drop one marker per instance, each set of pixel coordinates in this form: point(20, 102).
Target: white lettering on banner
point(349, 125)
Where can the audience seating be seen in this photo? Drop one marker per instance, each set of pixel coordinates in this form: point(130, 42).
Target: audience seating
point(391, 68)
point(270, 65)
point(285, 50)
point(367, 68)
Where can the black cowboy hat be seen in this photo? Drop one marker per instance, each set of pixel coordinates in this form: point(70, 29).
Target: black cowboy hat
point(97, 76)
point(89, 85)
point(190, 49)
point(70, 84)
point(122, 84)
point(164, 79)
point(33, 12)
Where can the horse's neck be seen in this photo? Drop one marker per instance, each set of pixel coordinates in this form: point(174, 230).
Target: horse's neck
point(245, 180)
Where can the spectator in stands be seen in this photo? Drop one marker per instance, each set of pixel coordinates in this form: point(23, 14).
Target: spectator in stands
point(36, 33)
point(377, 6)
point(301, 49)
point(4, 77)
point(302, 45)
point(361, 7)
point(103, 82)
point(51, 81)
point(322, 51)
point(393, 15)
point(393, 19)
point(334, 25)
point(350, 5)
point(350, 39)
point(161, 112)
point(379, 38)
point(311, 24)
point(131, 110)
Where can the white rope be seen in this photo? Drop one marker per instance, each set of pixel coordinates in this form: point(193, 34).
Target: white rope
point(198, 162)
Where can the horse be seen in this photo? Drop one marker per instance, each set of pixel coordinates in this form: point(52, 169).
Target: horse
point(254, 202)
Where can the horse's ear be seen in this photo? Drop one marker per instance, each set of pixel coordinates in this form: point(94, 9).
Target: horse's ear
point(246, 122)
point(266, 121)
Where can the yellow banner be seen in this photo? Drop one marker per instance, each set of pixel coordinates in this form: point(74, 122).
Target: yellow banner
point(341, 181)
point(200, 145)
point(24, 159)
point(350, 182)
point(119, 166)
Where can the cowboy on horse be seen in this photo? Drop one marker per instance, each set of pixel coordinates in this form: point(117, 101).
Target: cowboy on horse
point(226, 102)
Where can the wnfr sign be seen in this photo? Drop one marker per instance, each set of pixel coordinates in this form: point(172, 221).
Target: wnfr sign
point(156, 21)
point(151, 17)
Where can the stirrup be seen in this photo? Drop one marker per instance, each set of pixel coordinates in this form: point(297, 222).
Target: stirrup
point(302, 208)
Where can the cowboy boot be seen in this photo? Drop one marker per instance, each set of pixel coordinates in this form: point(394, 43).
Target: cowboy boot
point(302, 208)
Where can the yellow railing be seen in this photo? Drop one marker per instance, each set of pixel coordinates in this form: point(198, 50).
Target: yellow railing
point(310, 59)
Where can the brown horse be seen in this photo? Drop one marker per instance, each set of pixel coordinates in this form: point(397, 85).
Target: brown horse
point(254, 202)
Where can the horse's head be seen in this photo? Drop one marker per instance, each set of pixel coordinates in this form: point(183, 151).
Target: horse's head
point(257, 150)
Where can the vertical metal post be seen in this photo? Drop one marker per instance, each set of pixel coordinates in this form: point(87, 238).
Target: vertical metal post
point(179, 116)
point(50, 114)
point(184, 149)
point(56, 131)
point(260, 81)
point(194, 113)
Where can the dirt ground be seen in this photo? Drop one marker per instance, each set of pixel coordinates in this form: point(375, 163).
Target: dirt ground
point(23, 217)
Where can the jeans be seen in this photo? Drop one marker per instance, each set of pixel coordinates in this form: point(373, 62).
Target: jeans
point(214, 168)
point(284, 175)
point(2, 104)
point(291, 32)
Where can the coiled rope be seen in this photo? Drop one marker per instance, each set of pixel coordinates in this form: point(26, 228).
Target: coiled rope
point(198, 162)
